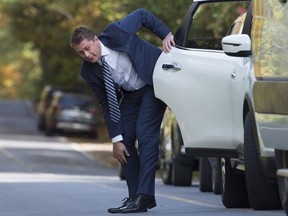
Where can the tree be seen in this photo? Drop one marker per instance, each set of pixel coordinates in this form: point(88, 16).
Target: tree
point(37, 33)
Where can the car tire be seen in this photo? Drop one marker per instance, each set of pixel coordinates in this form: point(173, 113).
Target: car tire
point(216, 175)
point(205, 182)
point(174, 171)
point(181, 173)
point(262, 195)
point(93, 135)
point(166, 172)
point(121, 174)
point(41, 126)
point(233, 192)
point(165, 163)
point(281, 162)
point(49, 131)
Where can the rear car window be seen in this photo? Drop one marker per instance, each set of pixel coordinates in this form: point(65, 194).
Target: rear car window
point(83, 103)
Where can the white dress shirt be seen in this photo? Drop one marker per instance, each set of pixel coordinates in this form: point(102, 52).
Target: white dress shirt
point(122, 72)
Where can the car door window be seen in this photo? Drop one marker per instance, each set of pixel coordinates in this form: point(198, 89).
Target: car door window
point(211, 22)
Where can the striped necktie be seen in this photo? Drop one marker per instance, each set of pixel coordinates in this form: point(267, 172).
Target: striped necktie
point(110, 90)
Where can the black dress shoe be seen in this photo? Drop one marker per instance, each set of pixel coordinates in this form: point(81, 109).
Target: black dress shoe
point(140, 203)
point(125, 201)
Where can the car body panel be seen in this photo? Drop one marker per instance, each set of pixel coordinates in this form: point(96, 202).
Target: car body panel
point(198, 95)
point(271, 107)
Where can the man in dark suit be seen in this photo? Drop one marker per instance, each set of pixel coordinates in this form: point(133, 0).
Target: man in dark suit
point(137, 114)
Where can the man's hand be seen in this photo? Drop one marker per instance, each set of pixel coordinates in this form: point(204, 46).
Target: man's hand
point(120, 152)
point(168, 42)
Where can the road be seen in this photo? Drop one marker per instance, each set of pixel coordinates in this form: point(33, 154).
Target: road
point(59, 176)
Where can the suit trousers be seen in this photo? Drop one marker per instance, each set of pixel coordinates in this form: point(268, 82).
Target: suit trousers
point(141, 116)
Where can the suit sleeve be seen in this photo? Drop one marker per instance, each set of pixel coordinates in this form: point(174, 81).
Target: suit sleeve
point(139, 18)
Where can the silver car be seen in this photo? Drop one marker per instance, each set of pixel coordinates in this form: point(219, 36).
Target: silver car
point(72, 113)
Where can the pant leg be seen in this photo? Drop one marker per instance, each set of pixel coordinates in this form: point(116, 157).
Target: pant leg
point(129, 114)
point(148, 124)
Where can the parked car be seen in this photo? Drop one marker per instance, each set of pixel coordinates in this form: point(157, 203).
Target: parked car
point(207, 80)
point(176, 167)
point(270, 91)
point(72, 113)
point(43, 104)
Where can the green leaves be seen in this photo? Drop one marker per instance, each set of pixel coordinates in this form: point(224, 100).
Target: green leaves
point(44, 26)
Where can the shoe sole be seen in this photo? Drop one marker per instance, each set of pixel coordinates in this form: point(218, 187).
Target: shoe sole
point(141, 210)
point(151, 206)
point(116, 210)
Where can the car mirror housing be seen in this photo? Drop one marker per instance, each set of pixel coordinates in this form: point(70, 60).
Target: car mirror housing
point(237, 45)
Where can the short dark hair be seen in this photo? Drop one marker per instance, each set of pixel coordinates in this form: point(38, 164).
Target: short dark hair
point(81, 33)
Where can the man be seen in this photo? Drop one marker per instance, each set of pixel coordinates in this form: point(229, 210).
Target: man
point(137, 114)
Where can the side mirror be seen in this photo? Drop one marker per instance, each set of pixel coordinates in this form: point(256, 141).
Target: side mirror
point(237, 45)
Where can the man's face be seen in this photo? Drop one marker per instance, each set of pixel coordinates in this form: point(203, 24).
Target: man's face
point(89, 50)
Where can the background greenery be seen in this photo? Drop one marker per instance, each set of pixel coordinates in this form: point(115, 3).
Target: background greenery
point(35, 35)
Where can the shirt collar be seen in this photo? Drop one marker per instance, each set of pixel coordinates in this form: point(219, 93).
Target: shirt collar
point(104, 52)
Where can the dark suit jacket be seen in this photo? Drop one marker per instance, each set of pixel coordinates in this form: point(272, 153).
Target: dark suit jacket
point(121, 36)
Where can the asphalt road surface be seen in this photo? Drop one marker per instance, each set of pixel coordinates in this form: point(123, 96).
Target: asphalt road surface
point(64, 176)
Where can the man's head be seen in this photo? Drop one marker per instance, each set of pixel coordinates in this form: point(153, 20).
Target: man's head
point(86, 44)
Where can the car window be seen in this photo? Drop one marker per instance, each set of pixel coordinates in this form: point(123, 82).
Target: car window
point(211, 22)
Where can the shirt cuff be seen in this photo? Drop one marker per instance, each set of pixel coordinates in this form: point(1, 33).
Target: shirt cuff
point(117, 138)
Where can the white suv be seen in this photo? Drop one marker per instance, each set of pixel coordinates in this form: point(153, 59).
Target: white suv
point(208, 81)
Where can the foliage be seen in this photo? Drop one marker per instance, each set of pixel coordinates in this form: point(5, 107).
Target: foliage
point(271, 55)
point(36, 33)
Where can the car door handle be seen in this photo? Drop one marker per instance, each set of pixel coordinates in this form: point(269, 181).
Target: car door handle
point(171, 66)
